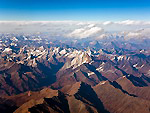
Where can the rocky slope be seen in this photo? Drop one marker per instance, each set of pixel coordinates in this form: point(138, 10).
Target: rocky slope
point(80, 97)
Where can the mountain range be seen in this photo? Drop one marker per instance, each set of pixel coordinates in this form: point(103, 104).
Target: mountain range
point(41, 76)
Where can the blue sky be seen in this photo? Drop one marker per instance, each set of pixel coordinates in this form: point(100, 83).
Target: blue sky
point(88, 10)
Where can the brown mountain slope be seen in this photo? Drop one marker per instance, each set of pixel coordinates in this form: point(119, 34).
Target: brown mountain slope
point(118, 102)
point(81, 97)
point(18, 78)
point(142, 92)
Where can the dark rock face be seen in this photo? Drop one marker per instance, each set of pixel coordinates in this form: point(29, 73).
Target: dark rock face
point(87, 95)
point(57, 103)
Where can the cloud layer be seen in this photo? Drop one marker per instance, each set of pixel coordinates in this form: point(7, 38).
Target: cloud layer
point(129, 29)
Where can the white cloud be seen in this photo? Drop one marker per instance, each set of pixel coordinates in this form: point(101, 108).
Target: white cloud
point(85, 32)
point(91, 25)
point(130, 34)
point(138, 34)
point(107, 23)
point(53, 27)
point(133, 22)
point(102, 36)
